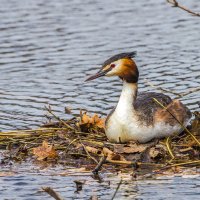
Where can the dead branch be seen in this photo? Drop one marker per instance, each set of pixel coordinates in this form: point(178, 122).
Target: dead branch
point(52, 193)
point(176, 4)
point(99, 165)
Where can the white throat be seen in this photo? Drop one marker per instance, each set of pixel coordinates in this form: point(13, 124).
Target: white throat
point(127, 98)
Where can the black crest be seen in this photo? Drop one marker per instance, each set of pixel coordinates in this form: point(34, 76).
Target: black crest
point(118, 57)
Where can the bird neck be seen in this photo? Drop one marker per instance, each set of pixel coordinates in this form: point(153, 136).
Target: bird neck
point(127, 97)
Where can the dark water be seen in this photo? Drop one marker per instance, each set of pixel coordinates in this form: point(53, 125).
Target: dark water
point(27, 185)
point(47, 48)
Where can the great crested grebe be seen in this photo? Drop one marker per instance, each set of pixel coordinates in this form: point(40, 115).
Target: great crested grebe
point(137, 116)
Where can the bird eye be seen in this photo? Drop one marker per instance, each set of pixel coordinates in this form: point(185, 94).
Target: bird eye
point(112, 65)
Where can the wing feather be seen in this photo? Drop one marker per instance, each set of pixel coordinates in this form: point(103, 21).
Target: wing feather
point(146, 107)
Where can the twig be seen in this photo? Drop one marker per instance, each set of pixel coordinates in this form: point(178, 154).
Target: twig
point(190, 91)
point(195, 139)
point(180, 95)
point(99, 165)
point(88, 153)
point(176, 4)
point(118, 186)
point(160, 88)
point(175, 165)
point(74, 140)
point(52, 193)
point(58, 118)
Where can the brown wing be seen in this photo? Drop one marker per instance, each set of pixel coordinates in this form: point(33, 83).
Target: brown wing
point(177, 109)
point(146, 107)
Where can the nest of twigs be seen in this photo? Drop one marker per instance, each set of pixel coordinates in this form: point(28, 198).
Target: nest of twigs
point(81, 141)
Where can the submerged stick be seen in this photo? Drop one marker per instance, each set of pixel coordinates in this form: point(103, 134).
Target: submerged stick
point(99, 165)
point(118, 186)
point(52, 193)
point(195, 139)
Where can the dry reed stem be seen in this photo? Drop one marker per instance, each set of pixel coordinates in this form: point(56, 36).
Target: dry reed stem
point(88, 153)
point(25, 132)
point(185, 163)
point(169, 148)
point(58, 118)
point(177, 164)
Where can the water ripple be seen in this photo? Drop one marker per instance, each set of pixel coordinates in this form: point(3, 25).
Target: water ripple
point(49, 48)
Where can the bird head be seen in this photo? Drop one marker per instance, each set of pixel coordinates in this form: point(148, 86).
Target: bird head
point(121, 65)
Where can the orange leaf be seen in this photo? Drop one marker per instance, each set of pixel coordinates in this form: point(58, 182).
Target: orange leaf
point(92, 121)
point(86, 119)
point(45, 151)
point(99, 122)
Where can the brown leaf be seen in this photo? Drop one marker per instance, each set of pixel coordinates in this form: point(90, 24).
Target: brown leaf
point(130, 148)
point(45, 151)
point(92, 150)
point(112, 156)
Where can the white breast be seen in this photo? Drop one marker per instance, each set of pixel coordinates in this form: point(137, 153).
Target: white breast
point(122, 128)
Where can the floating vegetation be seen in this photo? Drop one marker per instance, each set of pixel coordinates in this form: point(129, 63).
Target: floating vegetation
point(81, 142)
